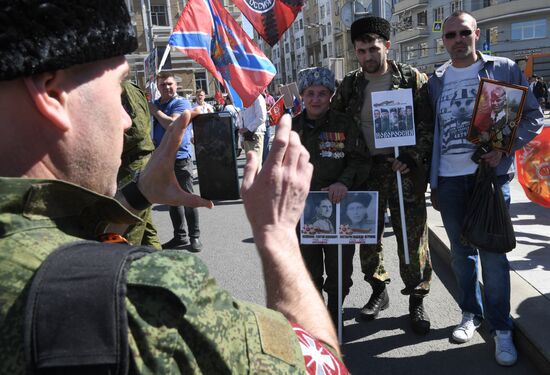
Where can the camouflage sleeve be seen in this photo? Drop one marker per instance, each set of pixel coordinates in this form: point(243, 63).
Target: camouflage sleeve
point(424, 124)
point(358, 162)
point(180, 321)
point(338, 102)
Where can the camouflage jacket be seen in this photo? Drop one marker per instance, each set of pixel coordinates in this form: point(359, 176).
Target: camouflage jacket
point(138, 144)
point(349, 98)
point(337, 151)
point(179, 320)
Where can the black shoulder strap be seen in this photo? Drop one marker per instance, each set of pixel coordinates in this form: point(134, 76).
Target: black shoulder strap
point(75, 318)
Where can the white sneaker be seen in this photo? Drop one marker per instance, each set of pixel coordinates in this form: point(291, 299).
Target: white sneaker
point(505, 351)
point(465, 330)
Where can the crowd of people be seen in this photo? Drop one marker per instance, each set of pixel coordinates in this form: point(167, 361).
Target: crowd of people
point(66, 201)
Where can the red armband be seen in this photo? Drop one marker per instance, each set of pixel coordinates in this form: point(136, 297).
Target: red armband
point(318, 359)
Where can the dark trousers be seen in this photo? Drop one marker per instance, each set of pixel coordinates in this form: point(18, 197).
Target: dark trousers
point(313, 257)
point(185, 220)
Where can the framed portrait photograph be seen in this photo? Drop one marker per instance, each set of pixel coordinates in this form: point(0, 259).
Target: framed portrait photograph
point(318, 221)
point(358, 216)
point(496, 114)
point(393, 118)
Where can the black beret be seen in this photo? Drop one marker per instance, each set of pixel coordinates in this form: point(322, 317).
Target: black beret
point(370, 25)
point(38, 36)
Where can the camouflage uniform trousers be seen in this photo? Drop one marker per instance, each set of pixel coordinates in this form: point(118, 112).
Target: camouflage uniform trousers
point(143, 233)
point(417, 275)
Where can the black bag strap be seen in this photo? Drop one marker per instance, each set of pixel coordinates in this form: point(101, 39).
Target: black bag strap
point(75, 318)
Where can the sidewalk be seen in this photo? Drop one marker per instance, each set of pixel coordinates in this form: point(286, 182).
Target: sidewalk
point(530, 274)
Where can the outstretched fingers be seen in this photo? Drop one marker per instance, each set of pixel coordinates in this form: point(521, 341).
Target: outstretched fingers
point(250, 171)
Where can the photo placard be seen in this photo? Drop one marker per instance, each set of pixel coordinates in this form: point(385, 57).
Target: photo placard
point(497, 113)
point(353, 220)
point(393, 118)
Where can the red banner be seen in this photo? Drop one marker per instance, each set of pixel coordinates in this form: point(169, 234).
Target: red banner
point(533, 167)
point(276, 112)
point(219, 97)
point(270, 18)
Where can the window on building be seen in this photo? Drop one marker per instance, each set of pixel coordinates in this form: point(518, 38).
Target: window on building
point(299, 61)
point(325, 51)
point(439, 14)
point(302, 37)
point(406, 21)
point(323, 31)
point(423, 49)
point(287, 47)
point(529, 30)
point(330, 48)
point(439, 47)
point(456, 5)
point(322, 11)
point(301, 24)
point(411, 52)
point(329, 28)
point(200, 81)
point(422, 18)
point(159, 16)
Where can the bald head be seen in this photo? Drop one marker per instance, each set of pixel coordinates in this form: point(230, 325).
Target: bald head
point(460, 34)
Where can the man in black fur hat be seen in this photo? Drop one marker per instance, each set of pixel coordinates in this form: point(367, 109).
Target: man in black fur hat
point(371, 40)
point(71, 304)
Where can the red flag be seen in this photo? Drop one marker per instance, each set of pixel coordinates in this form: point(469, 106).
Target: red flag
point(208, 33)
point(276, 111)
point(219, 97)
point(533, 167)
point(270, 18)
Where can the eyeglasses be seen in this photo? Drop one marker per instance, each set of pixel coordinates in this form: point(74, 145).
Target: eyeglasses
point(462, 33)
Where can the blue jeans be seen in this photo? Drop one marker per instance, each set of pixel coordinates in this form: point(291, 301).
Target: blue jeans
point(453, 196)
point(185, 220)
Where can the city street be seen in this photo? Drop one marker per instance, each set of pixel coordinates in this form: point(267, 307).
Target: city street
point(386, 345)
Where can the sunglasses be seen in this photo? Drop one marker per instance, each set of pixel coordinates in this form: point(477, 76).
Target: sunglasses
point(462, 33)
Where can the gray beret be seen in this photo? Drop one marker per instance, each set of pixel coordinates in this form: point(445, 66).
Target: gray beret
point(315, 76)
point(370, 25)
point(38, 36)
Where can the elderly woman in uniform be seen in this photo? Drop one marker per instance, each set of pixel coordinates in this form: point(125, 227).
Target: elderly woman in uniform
point(340, 163)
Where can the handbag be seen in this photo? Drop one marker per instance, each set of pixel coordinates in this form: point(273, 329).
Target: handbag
point(487, 224)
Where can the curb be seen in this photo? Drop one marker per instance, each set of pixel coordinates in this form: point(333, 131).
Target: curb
point(528, 336)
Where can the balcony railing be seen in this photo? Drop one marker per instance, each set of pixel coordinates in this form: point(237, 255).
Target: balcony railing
point(411, 34)
point(409, 4)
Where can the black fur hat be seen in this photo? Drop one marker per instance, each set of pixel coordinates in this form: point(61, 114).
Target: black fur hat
point(38, 36)
point(370, 25)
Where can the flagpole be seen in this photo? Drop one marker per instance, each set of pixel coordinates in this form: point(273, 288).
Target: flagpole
point(402, 212)
point(340, 293)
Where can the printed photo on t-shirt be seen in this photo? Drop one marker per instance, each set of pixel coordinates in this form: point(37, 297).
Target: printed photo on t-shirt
point(457, 103)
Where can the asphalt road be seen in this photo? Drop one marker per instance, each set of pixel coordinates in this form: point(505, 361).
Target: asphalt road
point(386, 345)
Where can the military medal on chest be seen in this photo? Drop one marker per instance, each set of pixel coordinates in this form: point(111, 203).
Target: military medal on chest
point(331, 145)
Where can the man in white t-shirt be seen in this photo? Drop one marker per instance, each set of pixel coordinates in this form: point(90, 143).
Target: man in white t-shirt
point(253, 127)
point(453, 89)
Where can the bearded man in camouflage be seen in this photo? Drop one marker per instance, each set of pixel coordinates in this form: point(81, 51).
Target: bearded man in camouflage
point(61, 136)
point(370, 37)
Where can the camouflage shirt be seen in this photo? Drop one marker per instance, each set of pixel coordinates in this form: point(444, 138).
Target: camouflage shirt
point(349, 98)
point(337, 151)
point(138, 144)
point(179, 320)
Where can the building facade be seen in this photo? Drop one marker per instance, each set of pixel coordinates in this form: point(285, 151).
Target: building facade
point(509, 28)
